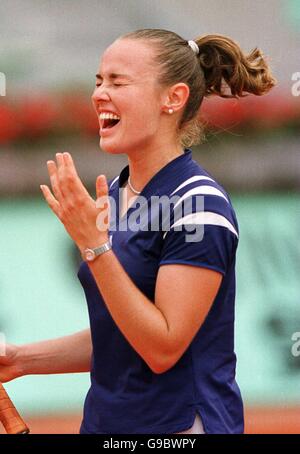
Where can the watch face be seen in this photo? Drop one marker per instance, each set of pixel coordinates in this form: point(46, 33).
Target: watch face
point(89, 255)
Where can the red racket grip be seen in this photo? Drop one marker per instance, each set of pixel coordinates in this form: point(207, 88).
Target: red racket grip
point(10, 418)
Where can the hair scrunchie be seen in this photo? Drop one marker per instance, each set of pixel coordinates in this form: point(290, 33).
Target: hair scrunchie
point(194, 46)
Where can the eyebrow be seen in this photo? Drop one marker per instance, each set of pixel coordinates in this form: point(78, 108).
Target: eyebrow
point(113, 76)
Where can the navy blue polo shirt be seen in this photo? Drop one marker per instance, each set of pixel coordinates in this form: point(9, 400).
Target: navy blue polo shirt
point(126, 396)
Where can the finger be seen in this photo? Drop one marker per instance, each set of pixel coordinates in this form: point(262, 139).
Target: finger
point(101, 186)
point(61, 173)
point(73, 177)
point(50, 199)
point(53, 174)
point(102, 203)
point(69, 163)
point(60, 161)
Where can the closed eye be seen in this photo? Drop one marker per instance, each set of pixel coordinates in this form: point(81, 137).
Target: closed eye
point(114, 84)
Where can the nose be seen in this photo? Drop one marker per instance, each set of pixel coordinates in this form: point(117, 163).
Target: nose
point(100, 94)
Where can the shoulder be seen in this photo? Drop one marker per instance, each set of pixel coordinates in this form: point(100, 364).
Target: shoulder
point(201, 194)
point(203, 229)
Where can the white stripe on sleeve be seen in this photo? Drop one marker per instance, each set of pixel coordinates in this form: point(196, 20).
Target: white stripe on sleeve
point(205, 218)
point(192, 180)
point(207, 190)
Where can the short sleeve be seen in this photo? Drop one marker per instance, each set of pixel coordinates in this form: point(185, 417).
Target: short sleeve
point(211, 244)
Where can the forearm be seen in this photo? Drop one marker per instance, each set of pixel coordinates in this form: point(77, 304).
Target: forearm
point(141, 322)
point(68, 354)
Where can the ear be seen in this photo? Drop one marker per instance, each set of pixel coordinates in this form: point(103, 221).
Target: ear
point(176, 97)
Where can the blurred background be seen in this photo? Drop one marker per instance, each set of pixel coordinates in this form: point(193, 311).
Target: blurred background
point(49, 54)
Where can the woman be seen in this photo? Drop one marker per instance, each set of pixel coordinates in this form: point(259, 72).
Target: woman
point(161, 303)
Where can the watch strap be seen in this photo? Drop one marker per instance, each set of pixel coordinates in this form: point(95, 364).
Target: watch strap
point(91, 254)
point(101, 249)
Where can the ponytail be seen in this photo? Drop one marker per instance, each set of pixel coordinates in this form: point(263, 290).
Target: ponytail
point(222, 59)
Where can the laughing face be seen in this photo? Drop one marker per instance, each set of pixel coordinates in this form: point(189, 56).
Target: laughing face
point(127, 98)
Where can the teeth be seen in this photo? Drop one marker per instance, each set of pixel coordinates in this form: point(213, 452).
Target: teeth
point(108, 116)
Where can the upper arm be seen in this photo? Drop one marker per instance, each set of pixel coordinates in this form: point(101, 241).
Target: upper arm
point(192, 267)
point(184, 294)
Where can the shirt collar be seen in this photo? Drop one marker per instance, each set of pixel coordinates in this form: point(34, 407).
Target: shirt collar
point(156, 184)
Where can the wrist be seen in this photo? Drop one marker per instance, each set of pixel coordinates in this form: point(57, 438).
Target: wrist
point(22, 361)
point(94, 243)
point(90, 254)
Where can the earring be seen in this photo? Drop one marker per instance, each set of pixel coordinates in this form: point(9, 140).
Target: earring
point(171, 111)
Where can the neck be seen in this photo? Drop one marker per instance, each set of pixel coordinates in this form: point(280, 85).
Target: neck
point(144, 165)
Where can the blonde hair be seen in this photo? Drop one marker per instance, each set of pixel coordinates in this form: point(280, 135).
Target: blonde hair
point(220, 60)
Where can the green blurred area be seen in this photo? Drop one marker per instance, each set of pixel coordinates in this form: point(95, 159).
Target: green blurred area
point(268, 297)
point(292, 11)
point(41, 297)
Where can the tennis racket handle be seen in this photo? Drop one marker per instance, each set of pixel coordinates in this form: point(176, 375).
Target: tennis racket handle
point(10, 418)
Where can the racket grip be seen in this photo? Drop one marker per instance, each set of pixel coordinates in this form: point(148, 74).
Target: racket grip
point(9, 416)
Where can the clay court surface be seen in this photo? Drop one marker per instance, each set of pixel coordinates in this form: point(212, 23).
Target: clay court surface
point(271, 420)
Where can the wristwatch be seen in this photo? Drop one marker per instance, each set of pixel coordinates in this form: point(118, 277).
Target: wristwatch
point(89, 254)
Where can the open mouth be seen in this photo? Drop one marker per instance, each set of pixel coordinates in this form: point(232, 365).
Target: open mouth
point(108, 120)
point(108, 124)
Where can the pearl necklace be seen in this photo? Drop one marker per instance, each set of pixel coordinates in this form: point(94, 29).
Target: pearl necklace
point(132, 188)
